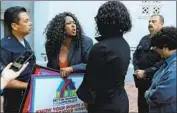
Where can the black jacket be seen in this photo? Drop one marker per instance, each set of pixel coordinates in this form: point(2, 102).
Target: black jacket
point(146, 59)
point(10, 50)
point(103, 83)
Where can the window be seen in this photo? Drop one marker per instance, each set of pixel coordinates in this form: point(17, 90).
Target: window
point(156, 10)
point(145, 10)
point(148, 8)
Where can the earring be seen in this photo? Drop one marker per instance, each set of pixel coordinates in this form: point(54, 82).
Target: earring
point(64, 34)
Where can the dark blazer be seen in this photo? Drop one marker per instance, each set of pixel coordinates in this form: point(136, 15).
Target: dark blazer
point(103, 84)
point(11, 49)
point(77, 56)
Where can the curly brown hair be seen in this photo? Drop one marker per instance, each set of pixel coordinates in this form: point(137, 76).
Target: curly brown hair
point(55, 32)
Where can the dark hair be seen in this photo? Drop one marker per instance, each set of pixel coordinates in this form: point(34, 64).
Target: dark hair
point(55, 32)
point(160, 17)
point(11, 15)
point(113, 18)
point(166, 37)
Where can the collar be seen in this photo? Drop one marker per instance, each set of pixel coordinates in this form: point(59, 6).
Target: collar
point(11, 43)
point(171, 58)
point(100, 38)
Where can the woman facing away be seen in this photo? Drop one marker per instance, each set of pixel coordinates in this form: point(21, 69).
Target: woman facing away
point(102, 88)
point(66, 45)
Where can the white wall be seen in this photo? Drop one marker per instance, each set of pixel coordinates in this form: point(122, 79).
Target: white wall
point(41, 19)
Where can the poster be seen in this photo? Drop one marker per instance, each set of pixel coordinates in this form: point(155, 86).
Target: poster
point(49, 92)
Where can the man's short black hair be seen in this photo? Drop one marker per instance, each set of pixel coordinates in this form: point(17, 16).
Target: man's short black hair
point(11, 15)
point(166, 37)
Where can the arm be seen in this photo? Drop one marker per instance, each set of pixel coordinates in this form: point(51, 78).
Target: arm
point(164, 92)
point(83, 90)
point(5, 58)
point(149, 72)
point(17, 84)
point(87, 44)
point(150, 63)
point(135, 60)
point(9, 75)
point(136, 54)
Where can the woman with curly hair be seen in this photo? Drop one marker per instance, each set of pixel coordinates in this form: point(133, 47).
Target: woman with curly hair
point(66, 45)
point(102, 88)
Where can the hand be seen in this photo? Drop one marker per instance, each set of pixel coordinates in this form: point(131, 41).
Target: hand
point(66, 71)
point(140, 73)
point(8, 74)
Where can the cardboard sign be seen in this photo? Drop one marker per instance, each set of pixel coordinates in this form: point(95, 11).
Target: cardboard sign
point(49, 92)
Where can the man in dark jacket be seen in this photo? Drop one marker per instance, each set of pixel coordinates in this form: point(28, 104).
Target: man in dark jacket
point(146, 62)
point(11, 48)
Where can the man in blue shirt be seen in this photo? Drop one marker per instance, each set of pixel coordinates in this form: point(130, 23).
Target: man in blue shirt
point(161, 96)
